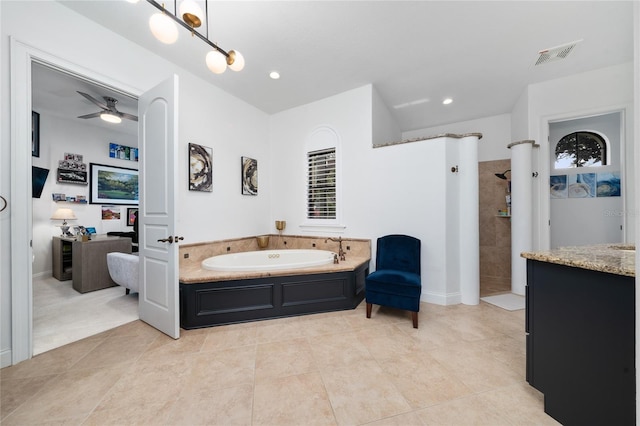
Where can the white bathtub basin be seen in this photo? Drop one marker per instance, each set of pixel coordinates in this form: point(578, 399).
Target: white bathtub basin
point(268, 260)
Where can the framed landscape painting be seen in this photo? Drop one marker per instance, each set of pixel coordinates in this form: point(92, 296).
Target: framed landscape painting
point(113, 185)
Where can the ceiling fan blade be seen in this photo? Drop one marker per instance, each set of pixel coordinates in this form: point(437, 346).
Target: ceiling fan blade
point(128, 116)
point(95, 114)
point(95, 101)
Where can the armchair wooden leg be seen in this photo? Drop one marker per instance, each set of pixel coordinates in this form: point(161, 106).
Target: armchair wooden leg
point(414, 316)
point(127, 291)
point(369, 306)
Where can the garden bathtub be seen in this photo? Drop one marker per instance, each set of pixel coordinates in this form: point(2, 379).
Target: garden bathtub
point(268, 260)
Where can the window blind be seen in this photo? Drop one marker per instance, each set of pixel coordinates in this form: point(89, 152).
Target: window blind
point(321, 186)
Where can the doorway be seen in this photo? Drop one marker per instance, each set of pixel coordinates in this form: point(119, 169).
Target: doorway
point(586, 182)
point(62, 315)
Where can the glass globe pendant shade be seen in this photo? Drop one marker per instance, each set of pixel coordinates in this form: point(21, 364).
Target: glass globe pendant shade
point(163, 28)
point(235, 60)
point(216, 62)
point(191, 13)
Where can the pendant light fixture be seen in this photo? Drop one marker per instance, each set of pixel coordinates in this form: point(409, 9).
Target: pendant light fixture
point(163, 28)
point(189, 15)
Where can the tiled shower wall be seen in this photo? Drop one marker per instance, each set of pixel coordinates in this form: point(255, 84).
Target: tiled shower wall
point(495, 231)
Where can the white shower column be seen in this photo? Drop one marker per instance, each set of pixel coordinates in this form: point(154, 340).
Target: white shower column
point(521, 211)
point(469, 248)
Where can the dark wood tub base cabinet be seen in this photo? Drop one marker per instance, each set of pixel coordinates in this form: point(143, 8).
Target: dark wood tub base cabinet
point(227, 302)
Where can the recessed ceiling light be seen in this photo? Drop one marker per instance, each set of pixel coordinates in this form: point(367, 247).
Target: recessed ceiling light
point(447, 101)
point(274, 75)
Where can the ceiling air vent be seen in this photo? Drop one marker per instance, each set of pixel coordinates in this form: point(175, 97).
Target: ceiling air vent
point(556, 53)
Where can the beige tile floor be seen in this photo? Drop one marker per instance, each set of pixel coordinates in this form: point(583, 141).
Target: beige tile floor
point(464, 365)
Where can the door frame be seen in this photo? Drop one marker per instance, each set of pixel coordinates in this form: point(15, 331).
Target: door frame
point(542, 228)
point(22, 56)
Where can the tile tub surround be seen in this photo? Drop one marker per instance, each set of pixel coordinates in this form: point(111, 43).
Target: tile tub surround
point(358, 251)
point(610, 258)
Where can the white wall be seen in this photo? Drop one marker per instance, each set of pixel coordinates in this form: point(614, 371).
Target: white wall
point(233, 129)
point(496, 135)
point(604, 90)
point(209, 116)
point(385, 127)
point(349, 115)
point(520, 118)
point(57, 137)
point(400, 189)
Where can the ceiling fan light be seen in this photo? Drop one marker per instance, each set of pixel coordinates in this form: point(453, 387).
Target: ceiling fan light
point(163, 28)
point(216, 62)
point(110, 118)
point(235, 60)
point(191, 13)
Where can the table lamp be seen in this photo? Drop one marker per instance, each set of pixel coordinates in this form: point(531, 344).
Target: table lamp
point(64, 214)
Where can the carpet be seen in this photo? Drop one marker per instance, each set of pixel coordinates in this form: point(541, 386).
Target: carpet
point(508, 301)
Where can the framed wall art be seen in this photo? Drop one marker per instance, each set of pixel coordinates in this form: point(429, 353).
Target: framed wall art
point(249, 177)
point(35, 134)
point(200, 168)
point(113, 185)
point(123, 152)
point(110, 213)
point(132, 212)
point(72, 176)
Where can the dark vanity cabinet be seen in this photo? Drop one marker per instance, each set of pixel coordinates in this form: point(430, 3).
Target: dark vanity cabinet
point(580, 327)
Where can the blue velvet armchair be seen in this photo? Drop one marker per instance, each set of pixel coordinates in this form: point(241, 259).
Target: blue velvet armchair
point(396, 282)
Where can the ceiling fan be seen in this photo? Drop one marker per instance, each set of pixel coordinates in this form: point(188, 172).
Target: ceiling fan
point(109, 112)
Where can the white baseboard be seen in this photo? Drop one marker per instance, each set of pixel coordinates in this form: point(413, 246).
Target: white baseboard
point(441, 299)
point(5, 358)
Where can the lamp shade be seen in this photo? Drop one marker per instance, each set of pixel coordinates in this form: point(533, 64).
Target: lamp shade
point(163, 28)
point(216, 62)
point(63, 214)
point(110, 118)
point(235, 60)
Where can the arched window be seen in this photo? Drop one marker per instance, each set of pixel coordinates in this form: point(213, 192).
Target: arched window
point(581, 149)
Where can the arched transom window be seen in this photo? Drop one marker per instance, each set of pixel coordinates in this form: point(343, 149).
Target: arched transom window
point(581, 149)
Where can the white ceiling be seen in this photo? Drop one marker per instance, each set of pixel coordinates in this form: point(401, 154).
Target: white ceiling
point(480, 53)
point(56, 93)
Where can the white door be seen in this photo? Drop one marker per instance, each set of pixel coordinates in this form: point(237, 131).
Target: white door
point(158, 248)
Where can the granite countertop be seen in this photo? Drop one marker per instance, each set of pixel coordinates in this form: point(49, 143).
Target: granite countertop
point(193, 272)
point(619, 259)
